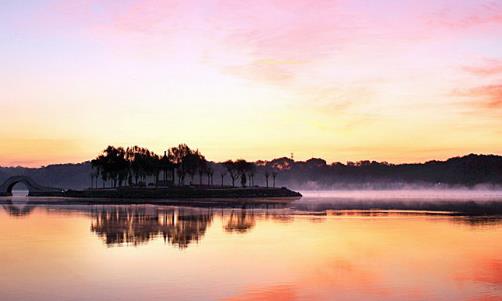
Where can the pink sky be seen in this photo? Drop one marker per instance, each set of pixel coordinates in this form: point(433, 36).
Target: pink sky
point(344, 80)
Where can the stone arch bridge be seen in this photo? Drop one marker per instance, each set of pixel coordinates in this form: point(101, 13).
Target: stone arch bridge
point(33, 187)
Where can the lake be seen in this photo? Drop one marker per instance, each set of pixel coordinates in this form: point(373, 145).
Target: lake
point(309, 251)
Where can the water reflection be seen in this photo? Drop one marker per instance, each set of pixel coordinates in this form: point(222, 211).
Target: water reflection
point(18, 209)
point(49, 252)
point(178, 226)
point(119, 225)
point(134, 225)
point(467, 207)
point(138, 225)
point(240, 221)
point(478, 221)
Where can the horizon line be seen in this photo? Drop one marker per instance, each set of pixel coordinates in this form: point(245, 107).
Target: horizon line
point(254, 161)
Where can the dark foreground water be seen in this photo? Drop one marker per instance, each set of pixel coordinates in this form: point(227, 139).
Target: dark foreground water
point(144, 252)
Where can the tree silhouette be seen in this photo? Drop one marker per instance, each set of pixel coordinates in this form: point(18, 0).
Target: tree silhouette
point(232, 170)
point(202, 168)
point(139, 166)
point(251, 170)
point(177, 156)
point(209, 173)
point(140, 162)
point(192, 163)
point(97, 166)
point(154, 167)
point(243, 168)
point(166, 166)
point(112, 165)
point(223, 173)
point(186, 161)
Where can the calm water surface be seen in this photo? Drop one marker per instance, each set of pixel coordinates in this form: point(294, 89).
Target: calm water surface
point(56, 252)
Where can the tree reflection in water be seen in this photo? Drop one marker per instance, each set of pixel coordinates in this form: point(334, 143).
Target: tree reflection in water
point(182, 226)
point(138, 225)
point(178, 226)
point(243, 220)
point(18, 208)
point(134, 225)
point(119, 225)
point(240, 221)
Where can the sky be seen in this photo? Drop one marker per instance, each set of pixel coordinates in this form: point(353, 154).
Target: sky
point(396, 81)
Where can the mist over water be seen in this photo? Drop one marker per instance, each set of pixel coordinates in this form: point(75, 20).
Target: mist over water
point(405, 194)
point(470, 201)
point(455, 201)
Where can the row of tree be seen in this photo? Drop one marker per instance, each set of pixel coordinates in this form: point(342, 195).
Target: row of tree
point(315, 173)
point(133, 165)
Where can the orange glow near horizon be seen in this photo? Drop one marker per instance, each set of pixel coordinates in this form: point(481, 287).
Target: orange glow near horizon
point(396, 81)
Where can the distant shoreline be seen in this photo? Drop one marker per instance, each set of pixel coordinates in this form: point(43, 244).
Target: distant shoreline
point(466, 172)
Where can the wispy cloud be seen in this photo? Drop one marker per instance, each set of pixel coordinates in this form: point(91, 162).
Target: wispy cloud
point(489, 67)
point(459, 16)
point(149, 17)
point(488, 97)
point(362, 73)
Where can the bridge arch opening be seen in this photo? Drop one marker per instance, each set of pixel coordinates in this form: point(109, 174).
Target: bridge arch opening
point(19, 189)
point(33, 187)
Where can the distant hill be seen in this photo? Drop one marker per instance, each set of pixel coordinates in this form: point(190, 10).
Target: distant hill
point(59, 175)
point(467, 171)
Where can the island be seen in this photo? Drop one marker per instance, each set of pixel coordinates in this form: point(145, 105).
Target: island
point(135, 174)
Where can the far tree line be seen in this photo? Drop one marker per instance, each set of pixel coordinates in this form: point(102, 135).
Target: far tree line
point(180, 165)
point(314, 173)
